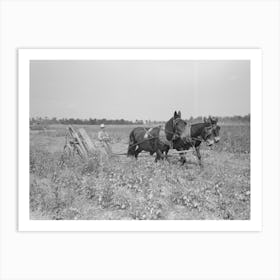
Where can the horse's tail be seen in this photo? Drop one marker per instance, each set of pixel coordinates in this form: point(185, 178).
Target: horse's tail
point(132, 144)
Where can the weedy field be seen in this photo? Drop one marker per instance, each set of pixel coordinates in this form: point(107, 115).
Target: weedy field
point(124, 188)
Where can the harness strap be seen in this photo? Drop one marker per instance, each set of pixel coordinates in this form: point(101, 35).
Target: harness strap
point(187, 131)
point(148, 132)
point(163, 139)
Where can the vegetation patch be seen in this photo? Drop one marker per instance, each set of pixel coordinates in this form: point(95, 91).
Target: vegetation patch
point(69, 188)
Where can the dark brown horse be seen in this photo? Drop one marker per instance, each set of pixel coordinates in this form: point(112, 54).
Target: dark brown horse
point(194, 135)
point(147, 139)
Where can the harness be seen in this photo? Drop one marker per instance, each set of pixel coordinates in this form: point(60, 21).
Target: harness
point(148, 133)
point(162, 137)
point(187, 131)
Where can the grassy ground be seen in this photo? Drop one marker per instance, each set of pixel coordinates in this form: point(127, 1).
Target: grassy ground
point(122, 188)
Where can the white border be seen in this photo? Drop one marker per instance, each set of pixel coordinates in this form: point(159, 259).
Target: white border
point(24, 57)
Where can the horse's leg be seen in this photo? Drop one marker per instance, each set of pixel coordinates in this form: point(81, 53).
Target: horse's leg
point(132, 144)
point(197, 149)
point(131, 149)
point(159, 155)
point(182, 158)
point(137, 152)
point(166, 152)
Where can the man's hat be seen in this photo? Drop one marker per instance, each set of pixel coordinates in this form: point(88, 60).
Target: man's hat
point(102, 125)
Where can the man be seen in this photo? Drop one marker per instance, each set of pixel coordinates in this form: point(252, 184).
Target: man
point(104, 138)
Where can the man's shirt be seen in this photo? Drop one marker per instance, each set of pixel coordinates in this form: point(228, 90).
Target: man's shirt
point(103, 136)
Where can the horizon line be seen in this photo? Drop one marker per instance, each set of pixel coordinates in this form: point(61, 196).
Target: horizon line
point(143, 119)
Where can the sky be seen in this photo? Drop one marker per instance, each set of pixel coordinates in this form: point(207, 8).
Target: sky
point(146, 90)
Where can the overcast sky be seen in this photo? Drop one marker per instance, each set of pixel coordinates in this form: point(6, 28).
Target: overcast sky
point(148, 90)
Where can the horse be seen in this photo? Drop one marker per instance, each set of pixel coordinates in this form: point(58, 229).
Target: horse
point(193, 136)
point(151, 139)
point(147, 139)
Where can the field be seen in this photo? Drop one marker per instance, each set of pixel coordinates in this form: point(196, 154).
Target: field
point(124, 188)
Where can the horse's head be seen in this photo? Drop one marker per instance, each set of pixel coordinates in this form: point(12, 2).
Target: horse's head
point(174, 127)
point(178, 125)
point(211, 132)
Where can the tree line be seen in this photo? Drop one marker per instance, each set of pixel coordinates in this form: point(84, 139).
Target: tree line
point(90, 121)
